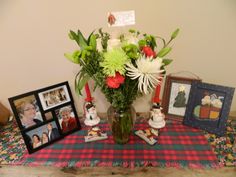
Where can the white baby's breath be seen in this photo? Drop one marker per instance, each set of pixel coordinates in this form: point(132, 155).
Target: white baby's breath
point(148, 72)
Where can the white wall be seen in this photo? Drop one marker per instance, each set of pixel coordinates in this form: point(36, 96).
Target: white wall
point(33, 39)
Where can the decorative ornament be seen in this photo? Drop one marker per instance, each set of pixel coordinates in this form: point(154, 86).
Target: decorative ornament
point(91, 117)
point(95, 134)
point(149, 135)
point(157, 117)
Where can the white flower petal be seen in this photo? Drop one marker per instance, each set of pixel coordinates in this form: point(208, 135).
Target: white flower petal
point(147, 71)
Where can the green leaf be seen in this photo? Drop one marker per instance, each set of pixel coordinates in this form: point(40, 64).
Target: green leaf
point(153, 43)
point(79, 39)
point(93, 42)
point(71, 36)
point(89, 48)
point(84, 54)
point(82, 39)
point(163, 52)
point(75, 84)
point(95, 86)
point(90, 36)
point(142, 43)
point(175, 33)
point(131, 50)
point(69, 57)
point(132, 30)
point(166, 61)
point(74, 36)
point(74, 57)
point(83, 79)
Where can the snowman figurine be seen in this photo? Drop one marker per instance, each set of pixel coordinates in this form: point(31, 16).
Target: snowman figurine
point(157, 117)
point(91, 117)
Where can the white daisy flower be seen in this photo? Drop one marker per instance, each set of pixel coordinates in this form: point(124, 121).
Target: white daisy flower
point(148, 72)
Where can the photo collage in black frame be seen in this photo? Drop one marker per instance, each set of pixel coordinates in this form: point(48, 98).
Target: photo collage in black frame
point(45, 115)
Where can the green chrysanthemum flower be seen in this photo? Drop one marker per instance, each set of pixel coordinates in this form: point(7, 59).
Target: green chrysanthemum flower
point(114, 61)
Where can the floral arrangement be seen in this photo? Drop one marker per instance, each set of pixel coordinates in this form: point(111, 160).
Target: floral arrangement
point(124, 67)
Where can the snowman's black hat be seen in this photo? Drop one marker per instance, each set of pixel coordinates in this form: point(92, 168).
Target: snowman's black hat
point(156, 106)
point(89, 105)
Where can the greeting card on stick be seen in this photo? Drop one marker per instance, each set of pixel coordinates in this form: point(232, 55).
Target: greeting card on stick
point(122, 18)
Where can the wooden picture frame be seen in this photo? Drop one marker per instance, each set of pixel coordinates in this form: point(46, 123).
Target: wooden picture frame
point(38, 121)
point(208, 107)
point(175, 96)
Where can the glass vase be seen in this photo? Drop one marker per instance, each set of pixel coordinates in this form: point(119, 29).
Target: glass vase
point(121, 123)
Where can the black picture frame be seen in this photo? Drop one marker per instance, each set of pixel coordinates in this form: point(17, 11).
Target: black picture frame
point(35, 118)
point(172, 93)
point(208, 107)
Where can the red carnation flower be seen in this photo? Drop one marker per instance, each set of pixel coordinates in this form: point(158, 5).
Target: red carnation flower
point(148, 51)
point(120, 79)
point(111, 83)
point(114, 82)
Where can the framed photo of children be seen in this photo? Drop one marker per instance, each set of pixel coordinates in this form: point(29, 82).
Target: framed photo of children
point(209, 107)
point(175, 97)
point(37, 115)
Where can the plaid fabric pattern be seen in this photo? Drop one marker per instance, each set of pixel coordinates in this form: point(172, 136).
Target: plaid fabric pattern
point(178, 146)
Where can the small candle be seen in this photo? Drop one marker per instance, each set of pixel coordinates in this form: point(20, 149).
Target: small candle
point(156, 98)
point(88, 93)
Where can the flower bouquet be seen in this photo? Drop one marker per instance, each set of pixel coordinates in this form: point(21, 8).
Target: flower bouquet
point(123, 68)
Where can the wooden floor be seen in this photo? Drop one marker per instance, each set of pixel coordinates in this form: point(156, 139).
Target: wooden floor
point(21, 171)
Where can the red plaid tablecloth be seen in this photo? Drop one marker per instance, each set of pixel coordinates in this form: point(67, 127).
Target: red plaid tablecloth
point(177, 146)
